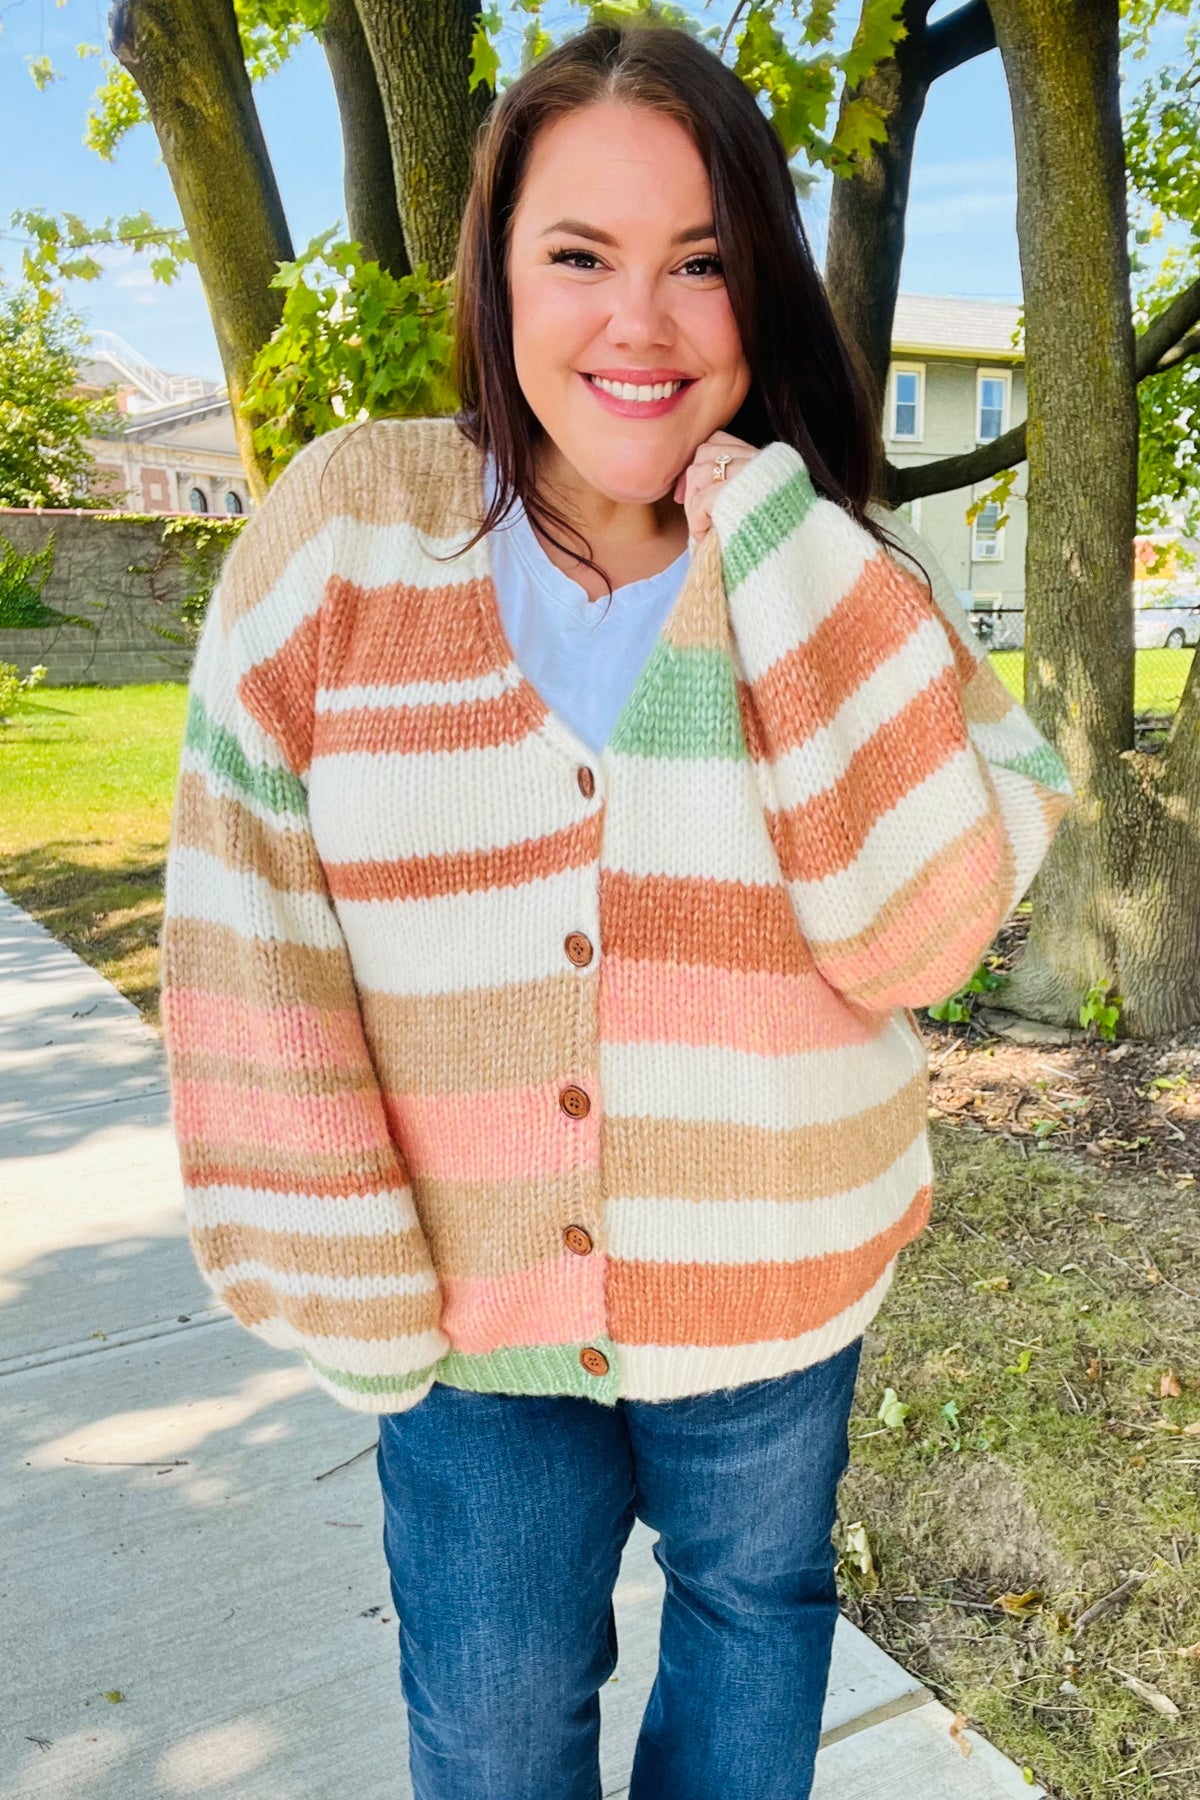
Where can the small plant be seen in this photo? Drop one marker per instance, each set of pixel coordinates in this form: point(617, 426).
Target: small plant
point(957, 1010)
point(12, 686)
point(1101, 1011)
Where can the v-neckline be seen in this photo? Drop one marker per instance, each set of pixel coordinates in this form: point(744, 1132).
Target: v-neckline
point(549, 722)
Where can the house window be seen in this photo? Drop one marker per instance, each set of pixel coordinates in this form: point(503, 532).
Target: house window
point(908, 384)
point(233, 502)
point(991, 411)
point(198, 500)
point(987, 534)
point(985, 616)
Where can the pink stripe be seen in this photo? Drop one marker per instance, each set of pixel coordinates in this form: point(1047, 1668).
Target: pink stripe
point(969, 907)
point(756, 1010)
point(560, 1301)
point(284, 1037)
point(224, 1112)
point(505, 1134)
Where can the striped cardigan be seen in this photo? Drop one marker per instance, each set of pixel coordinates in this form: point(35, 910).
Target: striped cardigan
point(500, 1063)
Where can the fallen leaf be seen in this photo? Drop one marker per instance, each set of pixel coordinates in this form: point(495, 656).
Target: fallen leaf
point(892, 1410)
point(1094, 1369)
point(957, 1731)
point(1021, 1606)
point(1192, 1430)
point(114, 1695)
point(859, 1554)
point(1191, 1651)
point(1162, 1703)
point(1168, 1386)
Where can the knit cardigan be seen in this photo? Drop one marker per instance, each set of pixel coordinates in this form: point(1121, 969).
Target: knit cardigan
point(501, 1063)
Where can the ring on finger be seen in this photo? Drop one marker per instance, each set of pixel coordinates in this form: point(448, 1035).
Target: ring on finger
point(720, 464)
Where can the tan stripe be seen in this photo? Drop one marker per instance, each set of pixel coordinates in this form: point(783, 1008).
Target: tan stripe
point(223, 1246)
point(722, 924)
point(219, 960)
point(986, 700)
point(488, 1228)
point(700, 617)
point(482, 1038)
point(301, 1080)
point(469, 871)
point(320, 1315)
point(646, 1157)
point(210, 1162)
point(224, 828)
point(386, 472)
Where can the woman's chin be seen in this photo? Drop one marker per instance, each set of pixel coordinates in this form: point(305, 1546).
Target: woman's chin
point(632, 479)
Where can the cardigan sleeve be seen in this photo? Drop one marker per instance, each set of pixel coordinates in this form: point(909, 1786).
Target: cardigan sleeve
point(299, 1208)
point(909, 798)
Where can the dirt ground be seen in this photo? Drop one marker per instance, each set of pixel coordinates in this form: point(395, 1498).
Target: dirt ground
point(1129, 1107)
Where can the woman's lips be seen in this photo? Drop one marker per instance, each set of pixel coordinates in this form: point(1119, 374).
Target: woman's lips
point(632, 408)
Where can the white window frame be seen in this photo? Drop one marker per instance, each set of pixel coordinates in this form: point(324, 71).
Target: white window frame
point(913, 514)
point(997, 539)
point(906, 368)
point(1004, 377)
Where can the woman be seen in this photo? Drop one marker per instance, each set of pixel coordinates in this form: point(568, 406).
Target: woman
point(576, 797)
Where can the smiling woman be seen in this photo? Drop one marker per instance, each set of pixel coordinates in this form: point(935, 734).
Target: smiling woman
point(537, 973)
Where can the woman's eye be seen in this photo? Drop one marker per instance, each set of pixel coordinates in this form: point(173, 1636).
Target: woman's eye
point(707, 264)
point(575, 259)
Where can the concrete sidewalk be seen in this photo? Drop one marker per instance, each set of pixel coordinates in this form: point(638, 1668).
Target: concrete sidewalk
point(194, 1596)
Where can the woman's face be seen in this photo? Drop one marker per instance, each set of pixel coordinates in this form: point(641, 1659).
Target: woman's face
point(624, 340)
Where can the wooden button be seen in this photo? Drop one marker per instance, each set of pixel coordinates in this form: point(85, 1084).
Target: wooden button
point(586, 780)
point(575, 1102)
point(593, 1361)
point(578, 1240)
point(579, 949)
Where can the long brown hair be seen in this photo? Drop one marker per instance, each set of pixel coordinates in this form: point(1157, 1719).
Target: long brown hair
point(807, 387)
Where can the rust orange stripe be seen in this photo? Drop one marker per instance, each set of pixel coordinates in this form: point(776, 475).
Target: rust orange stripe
point(404, 730)
point(722, 924)
point(468, 871)
point(280, 692)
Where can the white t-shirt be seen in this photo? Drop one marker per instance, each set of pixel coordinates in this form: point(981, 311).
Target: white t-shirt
point(583, 656)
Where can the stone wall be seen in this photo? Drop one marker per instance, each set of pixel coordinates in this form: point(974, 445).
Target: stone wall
point(136, 581)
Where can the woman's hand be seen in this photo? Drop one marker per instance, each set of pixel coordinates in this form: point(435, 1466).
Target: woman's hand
point(698, 487)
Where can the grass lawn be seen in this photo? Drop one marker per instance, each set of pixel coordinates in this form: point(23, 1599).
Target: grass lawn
point(1159, 677)
point(87, 777)
point(1035, 1453)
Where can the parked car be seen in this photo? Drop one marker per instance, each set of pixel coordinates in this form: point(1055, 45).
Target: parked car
point(1166, 627)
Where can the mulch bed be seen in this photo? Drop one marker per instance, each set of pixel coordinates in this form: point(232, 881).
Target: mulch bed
point(1130, 1107)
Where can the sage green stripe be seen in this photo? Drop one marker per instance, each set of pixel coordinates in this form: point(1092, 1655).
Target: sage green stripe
point(277, 789)
point(1043, 764)
point(370, 1384)
point(533, 1369)
point(684, 704)
point(763, 530)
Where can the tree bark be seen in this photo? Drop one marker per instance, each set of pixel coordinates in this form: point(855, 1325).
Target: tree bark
point(866, 210)
point(1118, 900)
point(186, 58)
point(372, 215)
point(422, 58)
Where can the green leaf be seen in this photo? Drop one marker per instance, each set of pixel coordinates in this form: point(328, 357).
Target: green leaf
point(485, 59)
point(43, 72)
point(892, 1410)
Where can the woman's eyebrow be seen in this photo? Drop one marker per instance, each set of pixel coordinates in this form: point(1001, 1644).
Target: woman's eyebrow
point(693, 234)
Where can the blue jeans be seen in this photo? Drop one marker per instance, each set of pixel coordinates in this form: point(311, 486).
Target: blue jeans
point(504, 1520)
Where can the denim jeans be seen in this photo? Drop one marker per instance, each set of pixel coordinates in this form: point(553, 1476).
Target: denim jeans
point(504, 1520)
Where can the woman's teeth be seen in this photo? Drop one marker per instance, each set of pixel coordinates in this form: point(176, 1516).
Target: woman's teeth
point(626, 390)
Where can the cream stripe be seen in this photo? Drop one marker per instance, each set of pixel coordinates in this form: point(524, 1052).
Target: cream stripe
point(309, 1215)
point(822, 759)
point(797, 587)
point(201, 887)
point(359, 1356)
point(462, 941)
point(439, 803)
point(420, 693)
point(749, 1231)
point(1026, 822)
point(339, 1287)
point(1015, 735)
point(261, 631)
point(669, 1371)
point(706, 820)
point(383, 555)
point(708, 1085)
point(927, 820)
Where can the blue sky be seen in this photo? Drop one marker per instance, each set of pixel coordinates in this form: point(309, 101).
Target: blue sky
point(961, 237)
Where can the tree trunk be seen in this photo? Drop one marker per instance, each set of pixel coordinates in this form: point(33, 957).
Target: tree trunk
point(1118, 900)
point(186, 58)
point(866, 210)
point(422, 57)
point(372, 216)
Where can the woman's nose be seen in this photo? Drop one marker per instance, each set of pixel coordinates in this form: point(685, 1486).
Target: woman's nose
point(640, 315)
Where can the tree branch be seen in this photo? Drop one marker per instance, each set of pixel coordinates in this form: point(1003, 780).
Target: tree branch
point(950, 42)
point(1169, 339)
point(369, 179)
